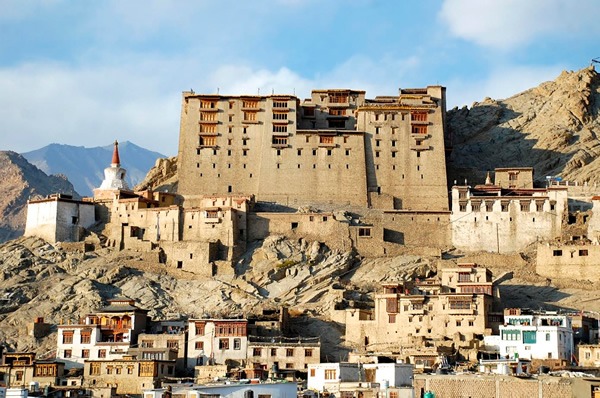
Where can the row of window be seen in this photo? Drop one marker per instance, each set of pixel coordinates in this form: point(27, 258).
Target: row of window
point(214, 104)
point(525, 207)
point(84, 353)
point(289, 352)
point(580, 252)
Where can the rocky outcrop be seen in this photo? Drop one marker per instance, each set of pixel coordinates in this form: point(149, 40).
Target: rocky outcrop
point(553, 127)
point(20, 181)
point(161, 177)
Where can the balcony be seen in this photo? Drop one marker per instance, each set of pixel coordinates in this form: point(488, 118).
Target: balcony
point(420, 148)
point(420, 122)
point(420, 137)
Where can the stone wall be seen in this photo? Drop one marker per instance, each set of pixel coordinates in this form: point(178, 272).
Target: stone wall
point(580, 262)
point(480, 386)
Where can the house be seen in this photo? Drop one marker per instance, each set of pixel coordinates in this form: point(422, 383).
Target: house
point(281, 355)
point(59, 218)
point(130, 375)
point(217, 342)
point(459, 303)
point(367, 380)
point(22, 369)
point(508, 215)
point(105, 334)
point(534, 335)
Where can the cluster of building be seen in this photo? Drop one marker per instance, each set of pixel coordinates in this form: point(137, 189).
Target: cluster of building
point(353, 173)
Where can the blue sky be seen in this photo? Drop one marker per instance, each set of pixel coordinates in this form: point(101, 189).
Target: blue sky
point(88, 72)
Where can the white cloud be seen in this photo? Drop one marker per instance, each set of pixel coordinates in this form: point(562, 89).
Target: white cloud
point(138, 98)
point(502, 82)
point(508, 24)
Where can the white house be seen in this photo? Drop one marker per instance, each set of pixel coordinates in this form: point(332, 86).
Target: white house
point(214, 341)
point(59, 218)
point(328, 376)
point(531, 335)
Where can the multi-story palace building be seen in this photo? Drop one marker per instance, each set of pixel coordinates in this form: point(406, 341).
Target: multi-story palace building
point(336, 147)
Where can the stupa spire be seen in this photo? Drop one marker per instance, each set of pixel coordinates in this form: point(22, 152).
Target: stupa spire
point(116, 162)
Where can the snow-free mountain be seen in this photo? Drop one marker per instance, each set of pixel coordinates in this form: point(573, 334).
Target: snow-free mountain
point(84, 167)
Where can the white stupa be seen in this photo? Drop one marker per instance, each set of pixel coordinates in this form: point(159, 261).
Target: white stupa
point(114, 176)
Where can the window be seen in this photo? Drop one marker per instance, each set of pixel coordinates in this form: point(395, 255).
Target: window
point(330, 374)
point(279, 140)
point(418, 116)
point(118, 369)
point(208, 104)
point(308, 111)
point(208, 141)
point(583, 252)
point(94, 369)
point(256, 352)
point(85, 337)
point(68, 337)
point(529, 336)
point(337, 112)
point(250, 104)
point(391, 318)
point(391, 305)
point(547, 336)
point(504, 206)
point(85, 353)
point(556, 253)
point(280, 115)
point(208, 128)
point(280, 104)
point(19, 375)
point(364, 231)
point(524, 206)
point(471, 323)
point(308, 353)
point(338, 98)
point(249, 116)
point(460, 305)
point(199, 345)
point(326, 139)
point(419, 130)
point(101, 353)
point(208, 116)
point(289, 352)
point(512, 176)
point(68, 354)
point(174, 344)
point(273, 352)
point(129, 369)
point(223, 344)
point(147, 344)
point(312, 373)
point(237, 344)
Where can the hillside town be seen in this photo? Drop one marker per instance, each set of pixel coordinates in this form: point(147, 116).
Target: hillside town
point(353, 174)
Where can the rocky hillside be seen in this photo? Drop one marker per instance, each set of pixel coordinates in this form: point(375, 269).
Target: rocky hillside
point(20, 181)
point(554, 127)
point(41, 280)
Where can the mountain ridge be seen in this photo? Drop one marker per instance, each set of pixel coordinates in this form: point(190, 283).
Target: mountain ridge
point(85, 166)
